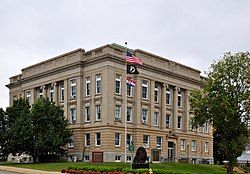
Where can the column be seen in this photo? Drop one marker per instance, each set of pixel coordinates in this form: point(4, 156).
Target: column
point(79, 95)
point(163, 107)
point(44, 91)
point(33, 95)
point(175, 107)
point(55, 85)
point(152, 104)
point(66, 95)
point(186, 111)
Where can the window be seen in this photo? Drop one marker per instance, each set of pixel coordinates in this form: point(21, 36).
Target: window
point(51, 93)
point(98, 112)
point(146, 141)
point(144, 116)
point(28, 96)
point(168, 96)
point(72, 115)
point(97, 139)
point(86, 158)
point(87, 81)
point(71, 142)
point(168, 121)
point(73, 89)
point(183, 144)
point(98, 84)
point(87, 113)
point(193, 147)
point(129, 90)
point(117, 113)
point(179, 122)
point(159, 142)
point(129, 139)
point(87, 139)
point(206, 146)
point(156, 94)
point(117, 139)
point(117, 158)
point(156, 118)
point(118, 84)
point(179, 98)
point(206, 127)
point(61, 87)
point(144, 89)
point(40, 92)
point(129, 114)
point(129, 158)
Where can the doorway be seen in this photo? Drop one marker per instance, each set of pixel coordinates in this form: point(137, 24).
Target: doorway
point(171, 151)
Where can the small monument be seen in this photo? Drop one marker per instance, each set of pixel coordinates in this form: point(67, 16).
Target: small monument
point(140, 159)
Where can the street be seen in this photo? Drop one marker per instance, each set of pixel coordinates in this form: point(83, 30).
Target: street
point(5, 172)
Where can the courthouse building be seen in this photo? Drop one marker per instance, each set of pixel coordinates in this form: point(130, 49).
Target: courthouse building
point(91, 87)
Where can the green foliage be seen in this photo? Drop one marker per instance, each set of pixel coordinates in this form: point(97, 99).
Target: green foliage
point(224, 102)
point(19, 130)
point(41, 131)
point(50, 130)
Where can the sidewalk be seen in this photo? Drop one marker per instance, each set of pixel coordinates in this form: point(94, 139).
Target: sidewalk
point(25, 171)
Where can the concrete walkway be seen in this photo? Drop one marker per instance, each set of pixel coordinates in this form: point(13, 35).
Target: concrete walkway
point(25, 171)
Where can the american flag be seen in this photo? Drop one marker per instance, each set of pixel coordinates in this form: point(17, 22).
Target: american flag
point(132, 59)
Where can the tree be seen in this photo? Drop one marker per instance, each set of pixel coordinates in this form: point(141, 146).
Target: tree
point(50, 130)
point(19, 137)
point(2, 133)
point(41, 131)
point(224, 102)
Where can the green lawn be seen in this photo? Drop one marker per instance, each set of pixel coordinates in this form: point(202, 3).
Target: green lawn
point(174, 167)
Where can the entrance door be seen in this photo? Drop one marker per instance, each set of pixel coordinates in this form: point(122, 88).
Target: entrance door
point(156, 155)
point(171, 151)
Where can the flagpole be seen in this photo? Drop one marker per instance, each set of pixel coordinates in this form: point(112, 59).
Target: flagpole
point(125, 117)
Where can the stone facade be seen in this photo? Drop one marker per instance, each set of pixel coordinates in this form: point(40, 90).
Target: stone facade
point(90, 86)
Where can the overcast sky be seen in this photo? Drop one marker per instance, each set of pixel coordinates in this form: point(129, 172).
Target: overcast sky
point(191, 32)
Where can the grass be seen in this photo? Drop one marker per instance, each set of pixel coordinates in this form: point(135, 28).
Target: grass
point(174, 167)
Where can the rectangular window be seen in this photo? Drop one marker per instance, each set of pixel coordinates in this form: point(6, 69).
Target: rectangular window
point(146, 141)
point(168, 121)
point(206, 146)
point(98, 112)
point(28, 96)
point(129, 158)
point(168, 96)
point(129, 139)
point(87, 139)
point(87, 114)
point(159, 142)
point(206, 126)
point(179, 122)
point(129, 114)
point(40, 92)
point(72, 88)
point(144, 116)
point(87, 87)
point(117, 113)
point(98, 83)
point(118, 84)
point(51, 94)
point(144, 89)
point(72, 115)
point(179, 98)
point(156, 118)
point(156, 94)
point(129, 90)
point(117, 158)
point(117, 139)
point(86, 158)
point(183, 144)
point(193, 145)
point(97, 139)
point(61, 87)
point(71, 143)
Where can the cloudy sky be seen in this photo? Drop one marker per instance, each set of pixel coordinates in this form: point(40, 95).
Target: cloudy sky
point(191, 32)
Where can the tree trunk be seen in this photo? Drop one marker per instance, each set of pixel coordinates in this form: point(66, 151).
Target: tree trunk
point(230, 168)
